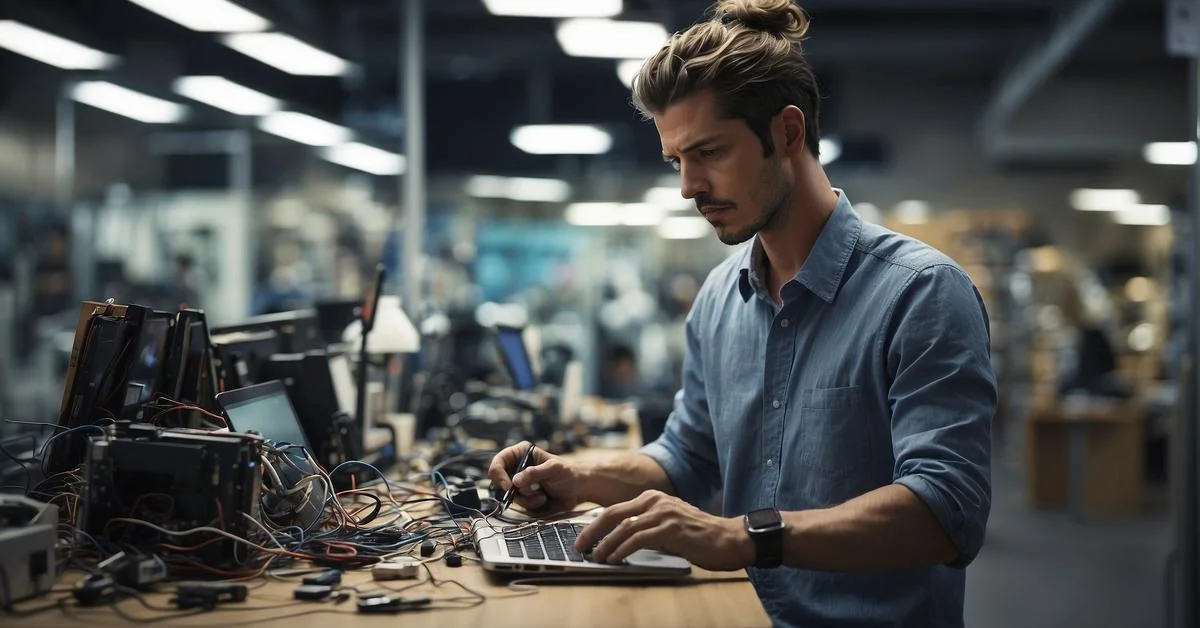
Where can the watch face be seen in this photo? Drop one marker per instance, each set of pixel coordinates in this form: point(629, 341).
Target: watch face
point(764, 519)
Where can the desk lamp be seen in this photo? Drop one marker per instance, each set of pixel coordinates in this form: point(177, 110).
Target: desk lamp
point(388, 332)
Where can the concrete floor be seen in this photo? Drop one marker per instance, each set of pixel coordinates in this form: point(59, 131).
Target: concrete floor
point(1046, 569)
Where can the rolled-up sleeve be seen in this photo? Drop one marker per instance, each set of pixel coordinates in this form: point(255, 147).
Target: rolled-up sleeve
point(942, 395)
point(686, 449)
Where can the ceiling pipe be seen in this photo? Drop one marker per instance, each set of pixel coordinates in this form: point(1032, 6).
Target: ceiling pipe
point(1038, 65)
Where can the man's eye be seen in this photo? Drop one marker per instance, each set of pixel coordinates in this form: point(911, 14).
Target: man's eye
point(708, 153)
point(674, 164)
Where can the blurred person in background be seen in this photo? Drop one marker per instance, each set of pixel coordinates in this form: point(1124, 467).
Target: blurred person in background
point(837, 381)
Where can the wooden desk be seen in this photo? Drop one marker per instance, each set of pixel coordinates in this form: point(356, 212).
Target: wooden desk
point(1087, 456)
point(706, 599)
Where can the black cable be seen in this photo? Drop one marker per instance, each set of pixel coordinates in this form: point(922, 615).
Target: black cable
point(28, 473)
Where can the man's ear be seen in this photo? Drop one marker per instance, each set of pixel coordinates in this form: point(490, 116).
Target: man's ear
point(793, 128)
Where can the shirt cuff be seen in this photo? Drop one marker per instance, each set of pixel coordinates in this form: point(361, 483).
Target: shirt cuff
point(949, 516)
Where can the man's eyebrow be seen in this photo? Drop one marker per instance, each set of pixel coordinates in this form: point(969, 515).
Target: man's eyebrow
point(693, 146)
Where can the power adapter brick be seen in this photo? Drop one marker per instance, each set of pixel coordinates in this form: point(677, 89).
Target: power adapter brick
point(403, 568)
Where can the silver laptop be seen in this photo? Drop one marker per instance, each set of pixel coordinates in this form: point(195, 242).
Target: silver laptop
point(549, 547)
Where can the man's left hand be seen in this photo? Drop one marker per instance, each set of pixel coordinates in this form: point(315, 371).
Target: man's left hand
point(655, 520)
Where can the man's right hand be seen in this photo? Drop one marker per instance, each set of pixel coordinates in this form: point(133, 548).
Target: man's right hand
point(549, 483)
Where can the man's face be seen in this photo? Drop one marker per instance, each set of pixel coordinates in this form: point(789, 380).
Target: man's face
point(722, 168)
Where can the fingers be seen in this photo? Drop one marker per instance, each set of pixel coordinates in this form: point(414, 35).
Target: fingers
point(609, 521)
point(648, 538)
point(532, 502)
point(505, 462)
point(626, 536)
point(541, 473)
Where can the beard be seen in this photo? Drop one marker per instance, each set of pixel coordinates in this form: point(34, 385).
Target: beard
point(776, 194)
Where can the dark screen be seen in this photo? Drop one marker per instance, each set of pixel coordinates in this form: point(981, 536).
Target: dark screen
point(270, 414)
point(516, 356)
point(147, 362)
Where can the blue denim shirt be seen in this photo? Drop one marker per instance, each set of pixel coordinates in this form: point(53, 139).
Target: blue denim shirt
point(876, 370)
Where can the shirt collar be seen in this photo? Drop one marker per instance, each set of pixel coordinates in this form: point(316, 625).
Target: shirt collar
point(822, 271)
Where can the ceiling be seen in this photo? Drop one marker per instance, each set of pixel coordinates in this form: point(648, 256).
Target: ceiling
point(486, 74)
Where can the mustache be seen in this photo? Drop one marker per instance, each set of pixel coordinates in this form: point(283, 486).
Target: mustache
point(709, 202)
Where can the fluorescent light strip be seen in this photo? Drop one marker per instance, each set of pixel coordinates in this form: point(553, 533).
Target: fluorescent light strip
point(221, 93)
point(668, 198)
point(1097, 200)
point(287, 53)
point(519, 188)
point(366, 158)
point(1143, 215)
point(586, 37)
point(1170, 153)
point(211, 16)
point(627, 70)
point(52, 49)
point(606, 214)
point(554, 8)
point(128, 103)
point(304, 129)
point(830, 150)
point(561, 139)
point(684, 228)
point(594, 214)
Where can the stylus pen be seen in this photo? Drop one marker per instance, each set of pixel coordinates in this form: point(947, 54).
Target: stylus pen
point(507, 500)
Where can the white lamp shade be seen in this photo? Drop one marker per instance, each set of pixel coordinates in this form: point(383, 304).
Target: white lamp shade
point(393, 331)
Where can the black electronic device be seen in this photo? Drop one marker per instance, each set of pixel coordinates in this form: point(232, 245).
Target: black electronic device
point(174, 479)
point(146, 362)
point(389, 604)
point(765, 527)
point(91, 381)
point(310, 382)
point(241, 354)
point(191, 369)
point(312, 592)
point(334, 315)
point(297, 493)
point(298, 330)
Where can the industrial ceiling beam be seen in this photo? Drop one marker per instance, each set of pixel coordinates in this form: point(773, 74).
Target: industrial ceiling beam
point(1037, 66)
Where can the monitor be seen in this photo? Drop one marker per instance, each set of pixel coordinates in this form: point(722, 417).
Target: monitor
point(515, 356)
point(263, 408)
point(148, 359)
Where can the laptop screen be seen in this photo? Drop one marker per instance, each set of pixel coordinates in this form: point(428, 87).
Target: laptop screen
point(265, 409)
point(516, 357)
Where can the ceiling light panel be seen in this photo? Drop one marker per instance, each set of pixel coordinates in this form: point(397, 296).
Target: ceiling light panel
point(128, 103)
point(287, 53)
point(221, 93)
point(52, 49)
point(554, 8)
point(212, 16)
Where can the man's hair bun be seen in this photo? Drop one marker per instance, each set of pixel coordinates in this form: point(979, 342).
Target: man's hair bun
point(781, 17)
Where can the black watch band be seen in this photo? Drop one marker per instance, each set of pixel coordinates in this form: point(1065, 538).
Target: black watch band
point(765, 527)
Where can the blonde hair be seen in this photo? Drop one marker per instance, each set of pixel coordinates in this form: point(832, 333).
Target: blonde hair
point(748, 53)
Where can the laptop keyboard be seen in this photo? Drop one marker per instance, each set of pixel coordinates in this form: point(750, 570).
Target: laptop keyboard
point(554, 541)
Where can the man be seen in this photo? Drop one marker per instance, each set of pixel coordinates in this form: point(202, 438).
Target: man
point(837, 384)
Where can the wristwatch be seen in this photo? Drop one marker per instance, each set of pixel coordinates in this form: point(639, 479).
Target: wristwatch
point(765, 527)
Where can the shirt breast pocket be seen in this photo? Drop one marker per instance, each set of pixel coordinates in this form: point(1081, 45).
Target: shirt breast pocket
point(835, 440)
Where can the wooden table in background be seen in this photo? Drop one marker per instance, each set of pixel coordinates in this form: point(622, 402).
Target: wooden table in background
point(1088, 456)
